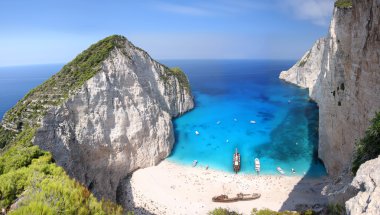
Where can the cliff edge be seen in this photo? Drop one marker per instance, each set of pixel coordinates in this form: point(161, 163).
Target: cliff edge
point(105, 114)
point(347, 84)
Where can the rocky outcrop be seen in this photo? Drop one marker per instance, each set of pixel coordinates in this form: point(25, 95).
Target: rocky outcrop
point(117, 122)
point(367, 200)
point(347, 86)
point(305, 72)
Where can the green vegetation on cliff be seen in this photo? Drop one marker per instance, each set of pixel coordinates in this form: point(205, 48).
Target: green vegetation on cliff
point(369, 147)
point(56, 90)
point(343, 3)
point(178, 74)
point(28, 175)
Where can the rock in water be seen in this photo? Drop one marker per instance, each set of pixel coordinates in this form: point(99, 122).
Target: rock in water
point(119, 120)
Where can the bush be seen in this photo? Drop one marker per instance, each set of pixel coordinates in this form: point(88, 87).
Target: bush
point(270, 212)
point(222, 211)
point(369, 147)
point(343, 3)
point(335, 209)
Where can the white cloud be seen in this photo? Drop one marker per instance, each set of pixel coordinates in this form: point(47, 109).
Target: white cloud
point(316, 11)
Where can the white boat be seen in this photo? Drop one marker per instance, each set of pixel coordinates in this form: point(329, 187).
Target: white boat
point(252, 122)
point(218, 122)
point(280, 170)
point(195, 163)
point(197, 132)
point(257, 165)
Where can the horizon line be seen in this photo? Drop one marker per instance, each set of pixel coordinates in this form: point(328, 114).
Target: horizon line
point(161, 59)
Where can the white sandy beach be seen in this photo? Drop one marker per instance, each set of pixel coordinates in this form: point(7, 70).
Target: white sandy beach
point(174, 189)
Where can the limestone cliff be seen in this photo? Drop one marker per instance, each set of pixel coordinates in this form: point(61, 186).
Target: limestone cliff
point(347, 88)
point(365, 183)
point(304, 72)
point(115, 120)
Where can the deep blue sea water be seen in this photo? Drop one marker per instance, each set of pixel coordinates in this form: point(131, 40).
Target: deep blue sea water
point(229, 94)
point(16, 81)
point(233, 93)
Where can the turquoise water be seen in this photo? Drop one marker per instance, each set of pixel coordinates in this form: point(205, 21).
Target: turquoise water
point(285, 133)
point(229, 94)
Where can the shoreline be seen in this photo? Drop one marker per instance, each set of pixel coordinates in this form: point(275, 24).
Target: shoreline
point(171, 188)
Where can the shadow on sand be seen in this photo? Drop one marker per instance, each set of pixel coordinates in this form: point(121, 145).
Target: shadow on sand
point(126, 200)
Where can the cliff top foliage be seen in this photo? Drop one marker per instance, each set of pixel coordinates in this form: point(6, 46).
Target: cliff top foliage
point(28, 174)
point(57, 89)
point(343, 3)
point(368, 147)
point(180, 76)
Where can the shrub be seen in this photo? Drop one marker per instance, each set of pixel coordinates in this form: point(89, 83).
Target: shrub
point(335, 209)
point(222, 211)
point(343, 3)
point(369, 146)
point(270, 212)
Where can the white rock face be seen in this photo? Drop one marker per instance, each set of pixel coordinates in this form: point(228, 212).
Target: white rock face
point(306, 71)
point(119, 121)
point(348, 85)
point(367, 201)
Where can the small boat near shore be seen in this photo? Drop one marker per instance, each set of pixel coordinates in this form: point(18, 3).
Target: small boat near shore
point(239, 197)
point(195, 162)
point(280, 170)
point(236, 161)
point(257, 166)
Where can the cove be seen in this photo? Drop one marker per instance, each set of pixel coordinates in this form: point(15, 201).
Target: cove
point(242, 104)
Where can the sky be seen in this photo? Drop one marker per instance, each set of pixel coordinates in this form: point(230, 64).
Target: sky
point(55, 31)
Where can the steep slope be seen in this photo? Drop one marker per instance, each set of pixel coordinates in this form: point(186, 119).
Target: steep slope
point(348, 81)
point(305, 72)
point(365, 183)
point(104, 115)
point(117, 122)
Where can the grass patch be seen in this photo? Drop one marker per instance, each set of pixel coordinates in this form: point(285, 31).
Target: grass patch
point(343, 4)
point(368, 147)
point(56, 90)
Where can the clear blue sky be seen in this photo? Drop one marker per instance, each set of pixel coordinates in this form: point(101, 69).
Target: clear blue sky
point(53, 31)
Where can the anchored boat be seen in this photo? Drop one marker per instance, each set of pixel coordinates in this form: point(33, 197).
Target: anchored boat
point(239, 197)
point(280, 171)
point(257, 166)
point(236, 161)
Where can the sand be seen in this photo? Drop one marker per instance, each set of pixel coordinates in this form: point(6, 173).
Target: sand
point(170, 188)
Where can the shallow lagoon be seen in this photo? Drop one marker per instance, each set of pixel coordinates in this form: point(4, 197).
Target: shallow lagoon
point(242, 104)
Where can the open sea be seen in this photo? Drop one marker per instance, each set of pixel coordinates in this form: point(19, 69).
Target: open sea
point(239, 104)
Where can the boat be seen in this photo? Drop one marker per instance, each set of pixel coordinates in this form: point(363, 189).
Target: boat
point(236, 161)
point(197, 132)
point(293, 171)
point(280, 170)
point(252, 122)
point(195, 163)
point(257, 166)
point(239, 197)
